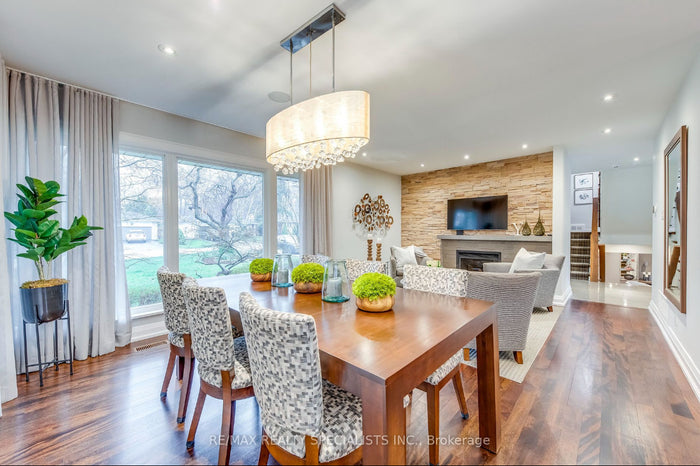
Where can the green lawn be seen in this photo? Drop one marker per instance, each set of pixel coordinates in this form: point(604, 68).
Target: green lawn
point(143, 283)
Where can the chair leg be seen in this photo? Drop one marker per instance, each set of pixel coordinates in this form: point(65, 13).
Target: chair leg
point(168, 376)
point(518, 355)
point(550, 308)
point(195, 419)
point(466, 354)
point(227, 421)
point(459, 390)
point(180, 368)
point(264, 452)
point(433, 398)
point(185, 390)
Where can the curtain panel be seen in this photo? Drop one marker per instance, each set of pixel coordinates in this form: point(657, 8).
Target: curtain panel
point(8, 381)
point(58, 132)
point(316, 211)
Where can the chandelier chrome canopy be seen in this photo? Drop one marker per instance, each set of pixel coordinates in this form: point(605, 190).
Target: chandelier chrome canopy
point(322, 130)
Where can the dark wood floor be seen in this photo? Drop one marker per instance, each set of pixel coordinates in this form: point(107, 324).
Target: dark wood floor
point(604, 389)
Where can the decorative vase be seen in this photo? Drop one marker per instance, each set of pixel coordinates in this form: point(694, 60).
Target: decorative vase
point(43, 304)
point(539, 227)
point(378, 305)
point(308, 287)
point(261, 277)
point(335, 282)
point(282, 271)
point(526, 231)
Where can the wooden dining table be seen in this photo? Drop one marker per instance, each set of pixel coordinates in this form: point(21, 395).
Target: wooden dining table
point(381, 357)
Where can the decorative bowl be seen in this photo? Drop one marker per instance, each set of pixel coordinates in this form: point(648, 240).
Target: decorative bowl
point(378, 305)
point(308, 287)
point(261, 277)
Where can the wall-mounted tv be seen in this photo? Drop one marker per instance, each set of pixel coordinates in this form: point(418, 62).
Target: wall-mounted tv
point(478, 213)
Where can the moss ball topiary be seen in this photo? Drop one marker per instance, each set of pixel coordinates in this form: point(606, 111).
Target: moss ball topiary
point(261, 266)
point(308, 273)
point(373, 286)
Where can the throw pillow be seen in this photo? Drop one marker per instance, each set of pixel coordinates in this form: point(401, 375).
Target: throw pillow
point(525, 260)
point(403, 256)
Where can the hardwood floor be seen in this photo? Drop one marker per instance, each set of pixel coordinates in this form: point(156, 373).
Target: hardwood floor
point(604, 389)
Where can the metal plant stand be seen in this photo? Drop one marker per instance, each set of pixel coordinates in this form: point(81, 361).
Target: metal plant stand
point(55, 362)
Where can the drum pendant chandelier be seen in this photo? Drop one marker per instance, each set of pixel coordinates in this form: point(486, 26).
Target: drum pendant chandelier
point(322, 130)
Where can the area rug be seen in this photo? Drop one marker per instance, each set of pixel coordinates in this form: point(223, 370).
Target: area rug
point(541, 326)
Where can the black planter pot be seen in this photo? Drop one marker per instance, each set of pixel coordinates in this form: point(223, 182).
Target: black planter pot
point(43, 304)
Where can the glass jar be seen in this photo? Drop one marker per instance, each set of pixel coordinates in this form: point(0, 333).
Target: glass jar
point(282, 271)
point(336, 288)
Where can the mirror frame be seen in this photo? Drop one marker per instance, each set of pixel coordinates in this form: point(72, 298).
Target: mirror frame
point(681, 137)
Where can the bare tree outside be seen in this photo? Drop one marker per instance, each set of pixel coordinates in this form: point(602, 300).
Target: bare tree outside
point(220, 219)
point(288, 240)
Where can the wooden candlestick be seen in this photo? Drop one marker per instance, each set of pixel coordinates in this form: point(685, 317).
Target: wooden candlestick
point(369, 249)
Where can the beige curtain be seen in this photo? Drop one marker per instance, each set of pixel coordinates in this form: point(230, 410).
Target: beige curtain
point(8, 381)
point(61, 133)
point(316, 211)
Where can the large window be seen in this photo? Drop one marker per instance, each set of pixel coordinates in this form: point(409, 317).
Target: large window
point(288, 238)
point(220, 213)
point(141, 197)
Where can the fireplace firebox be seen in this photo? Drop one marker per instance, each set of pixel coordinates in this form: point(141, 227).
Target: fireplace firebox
point(474, 260)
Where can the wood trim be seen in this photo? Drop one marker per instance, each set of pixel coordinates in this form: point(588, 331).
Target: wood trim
point(594, 273)
point(601, 258)
point(681, 137)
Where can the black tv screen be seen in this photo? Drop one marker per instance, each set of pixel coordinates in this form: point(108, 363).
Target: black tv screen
point(478, 213)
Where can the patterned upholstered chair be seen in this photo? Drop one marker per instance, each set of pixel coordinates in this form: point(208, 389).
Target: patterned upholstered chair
point(305, 419)
point(224, 370)
point(514, 295)
point(451, 282)
point(357, 267)
point(317, 258)
point(177, 323)
point(548, 283)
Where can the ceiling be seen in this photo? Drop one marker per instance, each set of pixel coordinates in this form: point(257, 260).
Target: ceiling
point(446, 78)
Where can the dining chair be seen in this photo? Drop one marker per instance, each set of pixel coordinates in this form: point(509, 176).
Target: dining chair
point(223, 367)
point(317, 258)
point(305, 419)
point(356, 267)
point(452, 282)
point(177, 323)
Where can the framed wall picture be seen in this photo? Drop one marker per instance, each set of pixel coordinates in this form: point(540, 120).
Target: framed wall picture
point(583, 196)
point(583, 181)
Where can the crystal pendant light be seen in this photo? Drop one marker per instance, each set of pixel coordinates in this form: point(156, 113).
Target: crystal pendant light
point(322, 130)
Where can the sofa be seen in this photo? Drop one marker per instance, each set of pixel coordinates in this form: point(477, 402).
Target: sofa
point(396, 271)
point(548, 283)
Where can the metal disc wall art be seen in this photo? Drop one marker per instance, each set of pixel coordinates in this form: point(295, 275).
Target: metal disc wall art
point(371, 220)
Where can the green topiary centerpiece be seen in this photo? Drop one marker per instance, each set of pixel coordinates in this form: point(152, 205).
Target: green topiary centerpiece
point(374, 292)
point(308, 278)
point(261, 270)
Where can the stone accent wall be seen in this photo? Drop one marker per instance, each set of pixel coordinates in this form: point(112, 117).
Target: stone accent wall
point(526, 180)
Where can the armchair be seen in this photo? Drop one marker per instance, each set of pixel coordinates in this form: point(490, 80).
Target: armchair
point(548, 283)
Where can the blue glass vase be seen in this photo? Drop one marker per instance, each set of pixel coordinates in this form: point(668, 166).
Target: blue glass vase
point(282, 271)
point(336, 287)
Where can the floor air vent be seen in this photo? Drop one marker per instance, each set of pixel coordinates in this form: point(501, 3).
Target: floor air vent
point(151, 345)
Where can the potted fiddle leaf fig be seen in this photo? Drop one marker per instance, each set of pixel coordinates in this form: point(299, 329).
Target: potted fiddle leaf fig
point(374, 292)
point(308, 278)
point(44, 240)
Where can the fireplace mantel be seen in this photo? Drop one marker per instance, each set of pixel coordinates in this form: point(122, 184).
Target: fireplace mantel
point(507, 245)
point(516, 238)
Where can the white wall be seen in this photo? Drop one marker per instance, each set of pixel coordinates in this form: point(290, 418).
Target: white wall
point(582, 214)
point(350, 183)
point(561, 220)
point(680, 330)
point(626, 205)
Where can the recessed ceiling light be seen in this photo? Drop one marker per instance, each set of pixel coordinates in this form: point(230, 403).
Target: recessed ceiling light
point(636, 159)
point(466, 156)
point(364, 154)
point(524, 146)
point(608, 97)
point(422, 165)
point(166, 49)
point(277, 96)
point(607, 131)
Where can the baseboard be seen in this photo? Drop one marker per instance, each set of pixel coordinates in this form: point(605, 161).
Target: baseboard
point(690, 370)
point(562, 299)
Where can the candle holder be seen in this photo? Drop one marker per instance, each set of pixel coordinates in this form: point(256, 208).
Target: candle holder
point(282, 271)
point(336, 288)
